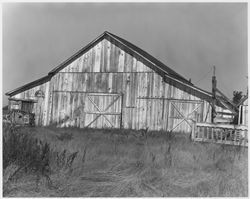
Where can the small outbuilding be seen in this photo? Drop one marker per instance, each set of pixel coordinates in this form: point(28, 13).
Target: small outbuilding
point(243, 111)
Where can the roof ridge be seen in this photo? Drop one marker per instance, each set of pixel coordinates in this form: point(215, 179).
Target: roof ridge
point(150, 57)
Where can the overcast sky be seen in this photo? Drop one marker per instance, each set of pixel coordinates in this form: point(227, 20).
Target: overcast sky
point(188, 37)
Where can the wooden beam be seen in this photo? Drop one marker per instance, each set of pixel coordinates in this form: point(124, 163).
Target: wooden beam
point(22, 99)
point(87, 92)
point(102, 113)
point(225, 126)
point(222, 120)
point(225, 113)
point(226, 105)
point(103, 72)
point(188, 85)
point(214, 82)
point(224, 96)
point(220, 142)
point(207, 113)
point(240, 113)
point(121, 117)
point(172, 99)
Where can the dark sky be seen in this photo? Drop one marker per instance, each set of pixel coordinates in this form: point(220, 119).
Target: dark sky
point(188, 37)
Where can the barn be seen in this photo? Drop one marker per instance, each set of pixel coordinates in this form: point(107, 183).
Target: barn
point(111, 83)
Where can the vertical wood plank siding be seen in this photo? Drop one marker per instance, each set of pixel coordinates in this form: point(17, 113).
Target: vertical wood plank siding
point(43, 106)
point(245, 113)
point(106, 68)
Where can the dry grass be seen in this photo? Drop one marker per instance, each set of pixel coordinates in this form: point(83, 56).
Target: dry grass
point(107, 163)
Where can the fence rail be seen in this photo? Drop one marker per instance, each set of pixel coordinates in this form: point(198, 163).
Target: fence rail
point(220, 133)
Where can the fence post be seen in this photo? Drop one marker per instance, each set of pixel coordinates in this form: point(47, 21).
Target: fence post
point(193, 130)
point(121, 119)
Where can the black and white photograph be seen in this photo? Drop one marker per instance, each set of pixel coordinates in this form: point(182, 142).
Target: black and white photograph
point(124, 99)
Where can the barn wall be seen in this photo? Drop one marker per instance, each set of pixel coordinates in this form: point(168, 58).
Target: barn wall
point(147, 101)
point(107, 69)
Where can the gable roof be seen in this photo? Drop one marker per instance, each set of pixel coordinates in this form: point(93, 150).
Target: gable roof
point(128, 46)
point(155, 64)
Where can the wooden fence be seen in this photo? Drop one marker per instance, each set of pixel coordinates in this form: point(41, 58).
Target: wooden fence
point(220, 133)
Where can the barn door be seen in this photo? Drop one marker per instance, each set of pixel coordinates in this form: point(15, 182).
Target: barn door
point(103, 110)
point(183, 113)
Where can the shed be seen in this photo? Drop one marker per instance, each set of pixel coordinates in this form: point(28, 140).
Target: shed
point(243, 111)
point(111, 83)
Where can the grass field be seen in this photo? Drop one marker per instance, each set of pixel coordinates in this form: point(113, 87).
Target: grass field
point(115, 163)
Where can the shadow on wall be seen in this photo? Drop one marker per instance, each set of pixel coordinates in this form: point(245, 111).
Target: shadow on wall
point(68, 121)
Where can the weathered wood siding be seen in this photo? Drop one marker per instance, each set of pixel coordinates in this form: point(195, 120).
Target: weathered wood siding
point(42, 107)
point(147, 100)
point(243, 118)
point(108, 69)
point(245, 113)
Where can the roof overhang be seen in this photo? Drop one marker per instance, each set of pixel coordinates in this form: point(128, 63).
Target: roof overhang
point(29, 85)
point(22, 99)
point(206, 94)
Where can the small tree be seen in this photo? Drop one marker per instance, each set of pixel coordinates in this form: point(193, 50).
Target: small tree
point(237, 96)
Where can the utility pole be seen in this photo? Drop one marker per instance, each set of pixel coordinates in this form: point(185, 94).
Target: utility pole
point(214, 82)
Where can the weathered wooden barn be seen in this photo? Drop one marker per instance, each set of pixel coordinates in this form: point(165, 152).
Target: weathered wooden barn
point(111, 83)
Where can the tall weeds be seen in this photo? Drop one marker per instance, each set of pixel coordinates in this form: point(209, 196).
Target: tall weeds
point(85, 163)
point(23, 153)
